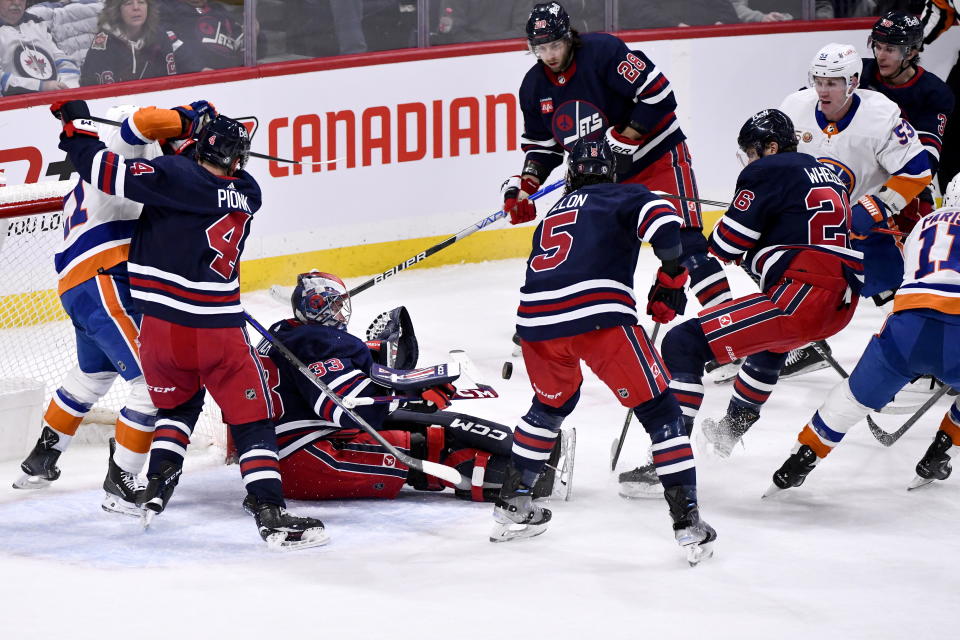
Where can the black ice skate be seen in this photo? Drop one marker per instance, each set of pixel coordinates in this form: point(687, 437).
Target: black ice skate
point(693, 534)
point(515, 514)
point(719, 438)
point(282, 530)
point(722, 373)
point(642, 482)
point(556, 481)
point(40, 467)
point(935, 463)
point(804, 360)
point(793, 471)
point(155, 496)
point(121, 488)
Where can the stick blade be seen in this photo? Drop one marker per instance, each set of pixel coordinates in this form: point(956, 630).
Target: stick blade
point(443, 472)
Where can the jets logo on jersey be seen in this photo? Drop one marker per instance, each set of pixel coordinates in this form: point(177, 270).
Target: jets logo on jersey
point(847, 177)
point(577, 119)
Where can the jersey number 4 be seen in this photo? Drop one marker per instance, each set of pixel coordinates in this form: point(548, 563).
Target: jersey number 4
point(224, 237)
point(828, 226)
point(555, 244)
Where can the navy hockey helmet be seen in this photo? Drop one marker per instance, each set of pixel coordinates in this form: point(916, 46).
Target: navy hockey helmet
point(321, 298)
point(592, 158)
point(898, 28)
point(223, 142)
point(548, 21)
point(769, 125)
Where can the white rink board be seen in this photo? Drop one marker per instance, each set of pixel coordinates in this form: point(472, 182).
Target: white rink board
point(719, 83)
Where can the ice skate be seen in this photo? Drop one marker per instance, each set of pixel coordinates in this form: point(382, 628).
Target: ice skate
point(515, 514)
point(695, 537)
point(557, 478)
point(154, 497)
point(793, 471)
point(719, 438)
point(935, 463)
point(723, 373)
point(40, 467)
point(804, 360)
point(282, 530)
point(642, 482)
point(121, 488)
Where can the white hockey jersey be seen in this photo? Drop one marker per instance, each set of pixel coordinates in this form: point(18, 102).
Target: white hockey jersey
point(931, 257)
point(97, 227)
point(29, 56)
point(869, 148)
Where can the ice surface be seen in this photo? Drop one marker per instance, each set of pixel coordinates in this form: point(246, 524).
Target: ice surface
point(849, 555)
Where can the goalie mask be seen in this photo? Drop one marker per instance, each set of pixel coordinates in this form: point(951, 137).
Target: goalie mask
point(837, 61)
point(321, 298)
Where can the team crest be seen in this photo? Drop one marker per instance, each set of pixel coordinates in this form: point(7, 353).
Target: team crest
point(546, 105)
point(806, 137)
point(725, 320)
point(389, 461)
point(34, 62)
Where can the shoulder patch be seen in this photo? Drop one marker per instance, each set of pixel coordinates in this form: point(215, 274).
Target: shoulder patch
point(99, 41)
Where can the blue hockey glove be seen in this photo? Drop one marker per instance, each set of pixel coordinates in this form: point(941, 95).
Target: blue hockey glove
point(868, 212)
point(194, 116)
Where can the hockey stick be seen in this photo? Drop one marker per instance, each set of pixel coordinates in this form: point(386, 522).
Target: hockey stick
point(441, 471)
point(253, 154)
point(617, 446)
point(477, 393)
point(887, 439)
point(460, 235)
point(820, 346)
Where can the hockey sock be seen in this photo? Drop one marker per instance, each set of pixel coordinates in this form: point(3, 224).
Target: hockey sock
point(64, 415)
point(672, 454)
point(839, 412)
point(134, 434)
point(259, 463)
point(688, 391)
point(534, 437)
point(173, 428)
point(756, 379)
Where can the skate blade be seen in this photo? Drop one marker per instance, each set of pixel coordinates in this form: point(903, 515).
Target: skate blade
point(31, 483)
point(113, 504)
point(823, 364)
point(146, 517)
point(310, 538)
point(512, 531)
point(640, 491)
point(563, 488)
point(771, 491)
point(697, 553)
point(918, 483)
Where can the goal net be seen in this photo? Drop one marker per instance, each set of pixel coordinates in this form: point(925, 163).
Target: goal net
point(36, 336)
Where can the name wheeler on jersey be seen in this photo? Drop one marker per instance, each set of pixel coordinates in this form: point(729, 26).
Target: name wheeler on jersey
point(606, 84)
point(871, 146)
point(184, 257)
point(580, 272)
point(931, 256)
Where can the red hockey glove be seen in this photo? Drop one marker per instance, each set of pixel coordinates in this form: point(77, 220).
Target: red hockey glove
point(439, 396)
point(667, 298)
point(194, 116)
point(516, 191)
point(74, 114)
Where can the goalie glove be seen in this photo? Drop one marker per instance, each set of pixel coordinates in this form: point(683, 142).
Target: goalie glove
point(667, 298)
point(193, 117)
point(516, 191)
point(75, 116)
point(395, 343)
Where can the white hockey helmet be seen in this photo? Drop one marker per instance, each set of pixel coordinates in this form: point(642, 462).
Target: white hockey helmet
point(951, 197)
point(837, 61)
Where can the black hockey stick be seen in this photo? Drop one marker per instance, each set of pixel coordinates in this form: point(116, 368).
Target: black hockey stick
point(440, 246)
point(441, 471)
point(253, 154)
point(712, 203)
point(820, 346)
point(618, 443)
point(887, 439)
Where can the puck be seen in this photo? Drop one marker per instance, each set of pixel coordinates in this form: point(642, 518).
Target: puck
point(507, 370)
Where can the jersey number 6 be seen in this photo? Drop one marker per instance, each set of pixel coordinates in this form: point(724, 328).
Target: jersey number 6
point(556, 244)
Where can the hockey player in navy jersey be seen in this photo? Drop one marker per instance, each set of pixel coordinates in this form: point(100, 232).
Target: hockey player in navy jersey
point(925, 100)
point(577, 303)
point(592, 86)
point(324, 454)
point(183, 268)
point(788, 225)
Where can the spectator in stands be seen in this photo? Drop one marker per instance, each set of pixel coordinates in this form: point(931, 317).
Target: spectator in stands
point(746, 14)
point(30, 60)
point(208, 36)
point(72, 24)
point(130, 45)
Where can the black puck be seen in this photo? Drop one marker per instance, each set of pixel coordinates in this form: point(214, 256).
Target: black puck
point(507, 370)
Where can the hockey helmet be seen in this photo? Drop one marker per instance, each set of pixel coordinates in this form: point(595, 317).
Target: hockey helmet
point(548, 21)
point(951, 195)
point(590, 158)
point(769, 125)
point(321, 298)
point(837, 61)
point(898, 28)
point(223, 142)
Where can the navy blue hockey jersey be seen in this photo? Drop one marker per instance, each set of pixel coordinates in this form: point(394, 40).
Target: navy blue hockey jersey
point(785, 203)
point(303, 413)
point(606, 84)
point(185, 254)
point(925, 101)
point(580, 272)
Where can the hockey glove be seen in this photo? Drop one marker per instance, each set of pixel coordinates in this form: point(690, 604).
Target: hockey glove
point(431, 399)
point(194, 116)
point(74, 114)
point(623, 148)
point(667, 298)
point(867, 213)
point(516, 190)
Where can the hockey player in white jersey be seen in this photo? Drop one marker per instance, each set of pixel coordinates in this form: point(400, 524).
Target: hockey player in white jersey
point(920, 337)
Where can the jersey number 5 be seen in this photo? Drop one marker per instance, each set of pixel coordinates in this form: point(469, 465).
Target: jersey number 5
point(556, 244)
point(828, 226)
point(224, 237)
